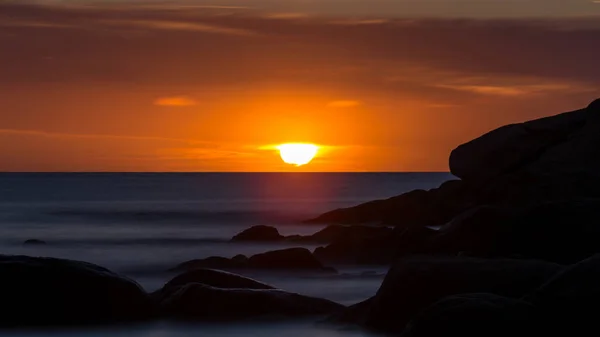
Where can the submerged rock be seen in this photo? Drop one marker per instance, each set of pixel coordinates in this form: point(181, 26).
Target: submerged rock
point(285, 259)
point(200, 302)
point(216, 278)
point(291, 258)
point(259, 233)
point(338, 233)
point(34, 242)
point(413, 284)
point(475, 315)
point(47, 291)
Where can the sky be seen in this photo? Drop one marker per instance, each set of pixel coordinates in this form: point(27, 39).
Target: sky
point(211, 85)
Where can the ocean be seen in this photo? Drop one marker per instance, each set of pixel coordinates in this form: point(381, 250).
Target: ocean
point(142, 224)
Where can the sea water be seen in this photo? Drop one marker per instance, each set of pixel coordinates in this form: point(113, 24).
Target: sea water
point(142, 224)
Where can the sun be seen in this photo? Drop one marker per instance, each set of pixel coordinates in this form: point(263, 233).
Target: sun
point(297, 154)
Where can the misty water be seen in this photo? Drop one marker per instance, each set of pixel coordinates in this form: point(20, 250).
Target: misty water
point(141, 225)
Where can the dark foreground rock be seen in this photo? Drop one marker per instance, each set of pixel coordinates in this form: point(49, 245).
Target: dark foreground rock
point(531, 231)
point(200, 302)
point(562, 144)
point(569, 300)
point(291, 259)
point(475, 315)
point(413, 284)
point(46, 291)
point(217, 278)
point(259, 234)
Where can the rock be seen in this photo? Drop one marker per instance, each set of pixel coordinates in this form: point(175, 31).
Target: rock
point(259, 233)
point(335, 233)
point(569, 300)
point(416, 208)
point(563, 144)
point(209, 277)
point(286, 259)
point(374, 251)
point(475, 315)
point(530, 231)
point(34, 242)
point(46, 291)
point(213, 262)
point(217, 278)
point(413, 284)
point(354, 314)
point(291, 258)
point(200, 302)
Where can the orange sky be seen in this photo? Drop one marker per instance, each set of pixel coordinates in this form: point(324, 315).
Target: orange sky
point(136, 89)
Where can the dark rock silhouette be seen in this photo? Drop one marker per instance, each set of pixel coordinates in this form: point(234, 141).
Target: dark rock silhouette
point(531, 231)
point(215, 262)
point(210, 277)
point(475, 315)
point(337, 233)
point(34, 242)
point(419, 207)
point(196, 301)
point(259, 233)
point(374, 250)
point(413, 284)
point(292, 258)
point(329, 234)
point(352, 315)
point(216, 278)
point(46, 291)
point(569, 299)
point(285, 259)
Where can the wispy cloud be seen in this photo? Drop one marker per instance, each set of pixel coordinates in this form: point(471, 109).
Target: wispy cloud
point(517, 90)
point(343, 104)
point(41, 133)
point(176, 101)
point(181, 26)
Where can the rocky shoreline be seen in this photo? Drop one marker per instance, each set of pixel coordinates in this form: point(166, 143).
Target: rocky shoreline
point(512, 248)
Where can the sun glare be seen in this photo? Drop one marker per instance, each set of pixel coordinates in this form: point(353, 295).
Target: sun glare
point(297, 154)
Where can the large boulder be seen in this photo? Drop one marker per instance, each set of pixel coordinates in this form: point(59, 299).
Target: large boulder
point(530, 231)
point(413, 284)
point(475, 315)
point(335, 233)
point(299, 259)
point(567, 143)
point(415, 208)
point(213, 262)
point(291, 258)
point(46, 291)
point(216, 278)
point(209, 277)
point(370, 250)
point(569, 300)
point(196, 301)
point(259, 233)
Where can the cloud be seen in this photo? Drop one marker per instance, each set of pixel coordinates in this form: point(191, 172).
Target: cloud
point(50, 134)
point(181, 26)
point(343, 104)
point(176, 101)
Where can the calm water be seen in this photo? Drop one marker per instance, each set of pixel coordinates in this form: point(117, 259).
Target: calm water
point(141, 225)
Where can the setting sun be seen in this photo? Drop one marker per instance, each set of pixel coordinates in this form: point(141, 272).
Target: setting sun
point(297, 154)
